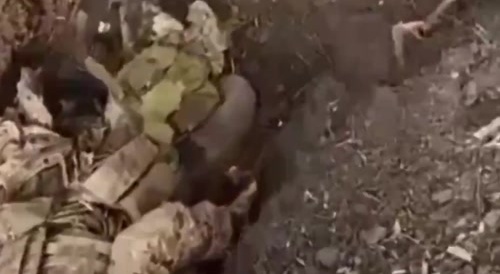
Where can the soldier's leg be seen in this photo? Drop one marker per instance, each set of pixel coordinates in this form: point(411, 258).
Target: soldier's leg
point(174, 236)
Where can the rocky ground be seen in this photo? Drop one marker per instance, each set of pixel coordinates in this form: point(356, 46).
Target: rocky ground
point(403, 187)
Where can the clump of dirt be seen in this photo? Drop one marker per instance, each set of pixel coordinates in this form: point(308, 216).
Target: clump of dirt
point(401, 187)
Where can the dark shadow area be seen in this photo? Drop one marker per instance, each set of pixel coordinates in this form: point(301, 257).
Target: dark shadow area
point(8, 84)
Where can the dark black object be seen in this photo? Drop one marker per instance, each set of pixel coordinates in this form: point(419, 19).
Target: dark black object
point(75, 98)
point(107, 48)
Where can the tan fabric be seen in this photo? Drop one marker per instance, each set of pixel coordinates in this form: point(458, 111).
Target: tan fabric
point(171, 237)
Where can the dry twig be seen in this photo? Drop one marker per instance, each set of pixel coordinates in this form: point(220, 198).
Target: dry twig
point(418, 29)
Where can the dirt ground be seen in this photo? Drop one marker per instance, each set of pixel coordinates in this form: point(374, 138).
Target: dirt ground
point(399, 187)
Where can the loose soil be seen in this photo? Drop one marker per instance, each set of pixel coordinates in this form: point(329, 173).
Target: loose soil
point(376, 172)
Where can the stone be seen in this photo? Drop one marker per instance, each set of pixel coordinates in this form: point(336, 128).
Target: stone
point(471, 93)
point(311, 270)
point(374, 235)
point(327, 257)
point(491, 219)
point(483, 269)
point(442, 196)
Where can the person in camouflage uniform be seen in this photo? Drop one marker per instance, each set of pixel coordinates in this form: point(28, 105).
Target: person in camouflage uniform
point(108, 211)
point(60, 226)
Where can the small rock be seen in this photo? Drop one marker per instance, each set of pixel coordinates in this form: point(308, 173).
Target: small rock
point(310, 270)
point(471, 93)
point(442, 214)
point(443, 196)
point(357, 261)
point(483, 269)
point(465, 188)
point(327, 257)
point(492, 94)
point(459, 253)
point(495, 255)
point(491, 219)
point(467, 270)
point(374, 235)
point(463, 221)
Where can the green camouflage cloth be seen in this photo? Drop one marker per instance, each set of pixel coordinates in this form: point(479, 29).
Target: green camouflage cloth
point(170, 80)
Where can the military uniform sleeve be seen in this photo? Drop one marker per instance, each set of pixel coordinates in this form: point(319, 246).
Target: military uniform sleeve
point(171, 237)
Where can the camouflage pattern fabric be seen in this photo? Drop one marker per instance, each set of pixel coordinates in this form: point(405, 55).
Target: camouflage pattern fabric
point(173, 236)
point(24, 153)
point(77, 230)
point(170, 80)
point(46, 237)
point(170, 237)
point(115, 219)
point(88, 233)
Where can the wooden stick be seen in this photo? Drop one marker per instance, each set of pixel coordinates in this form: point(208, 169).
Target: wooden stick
point(418, 29)
point(434, 19)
